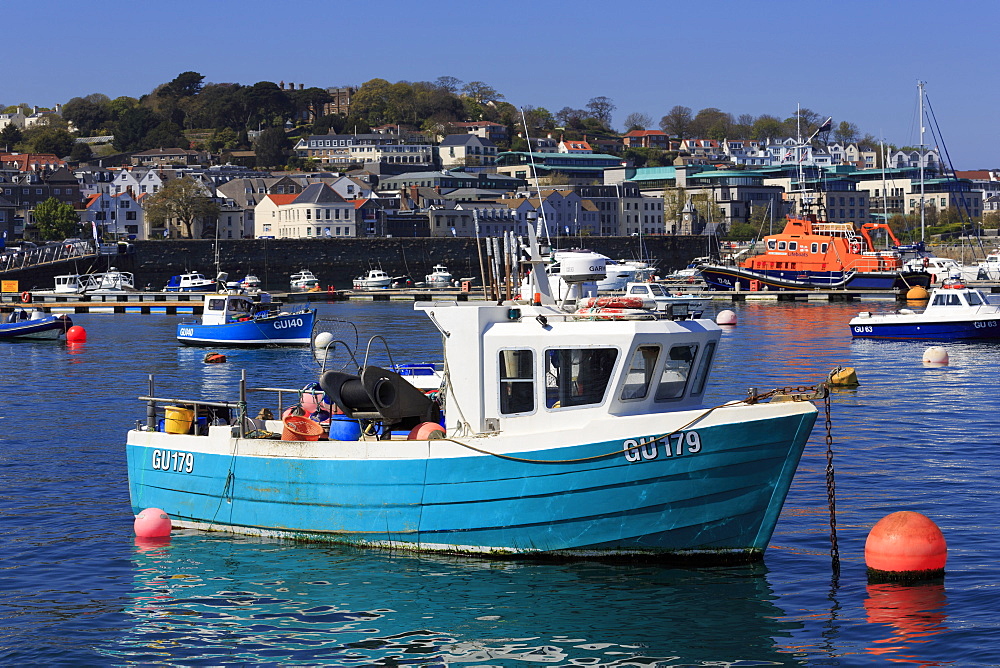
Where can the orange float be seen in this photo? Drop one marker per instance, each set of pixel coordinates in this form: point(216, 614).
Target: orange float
point(905, 545)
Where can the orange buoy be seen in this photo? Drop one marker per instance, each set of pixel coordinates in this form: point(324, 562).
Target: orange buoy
point(215, 358)
point(426, 431)
point(905, 546)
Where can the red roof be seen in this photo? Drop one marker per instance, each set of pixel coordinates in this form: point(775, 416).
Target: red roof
point(283, 199)
point(646, 133)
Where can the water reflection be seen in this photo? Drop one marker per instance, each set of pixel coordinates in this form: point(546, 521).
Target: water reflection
point(203, 597)
point(913, 613)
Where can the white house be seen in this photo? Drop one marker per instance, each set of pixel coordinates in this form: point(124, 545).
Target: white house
point(316, 212)
point(116, 216)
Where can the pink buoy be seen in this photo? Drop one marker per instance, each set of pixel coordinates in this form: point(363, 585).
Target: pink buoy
point(936, 356)
point(426, 431)
point(76, 334)
point(725, 317)
point(152, 523)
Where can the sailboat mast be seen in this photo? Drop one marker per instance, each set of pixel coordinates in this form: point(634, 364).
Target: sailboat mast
point(920, 157)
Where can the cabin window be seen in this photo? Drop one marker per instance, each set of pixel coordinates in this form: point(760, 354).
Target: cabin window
point(517, 381)
point(771, 244)
point(813, 248)
point(793, 245)
point(216, 304)
point(781, 245)
point(640, 372)
point(974, 298)
point(823, 248)
point(676, 370)
point(940, 300)
point(577, 376)
point(698, 386)
point(953, 300)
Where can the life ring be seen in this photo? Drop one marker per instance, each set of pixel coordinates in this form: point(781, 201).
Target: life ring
point(855, 246)
point(612, 302)
point(25, 297)
point(611, 313)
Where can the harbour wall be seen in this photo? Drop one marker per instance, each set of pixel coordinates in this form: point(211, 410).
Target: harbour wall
point(335, 261)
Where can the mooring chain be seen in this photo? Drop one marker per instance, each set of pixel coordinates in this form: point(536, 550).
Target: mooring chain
point(831, 488)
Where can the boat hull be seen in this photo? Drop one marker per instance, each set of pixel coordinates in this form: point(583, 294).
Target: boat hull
point(194, 288)
point(290, 329)
point(716, 496)
point(51, 327)
point(929, 330)
point(721, 277)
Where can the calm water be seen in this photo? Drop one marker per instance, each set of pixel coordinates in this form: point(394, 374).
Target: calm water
point(76, 589)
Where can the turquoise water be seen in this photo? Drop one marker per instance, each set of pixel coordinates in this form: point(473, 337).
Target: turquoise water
point(77, 589)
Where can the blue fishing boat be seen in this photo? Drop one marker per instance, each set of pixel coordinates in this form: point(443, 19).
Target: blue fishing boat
point(564, 434)
point(231, 319)
point(954, 312)
point(24, 323)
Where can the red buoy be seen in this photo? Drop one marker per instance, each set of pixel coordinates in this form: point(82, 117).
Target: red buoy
point(905, 546)
point(76, 334)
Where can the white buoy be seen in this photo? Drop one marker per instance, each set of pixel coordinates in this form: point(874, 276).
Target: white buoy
point(726, 317)
point(936, 356)
point(323, 340)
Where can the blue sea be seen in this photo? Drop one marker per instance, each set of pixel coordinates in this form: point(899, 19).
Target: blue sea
point(76, 588)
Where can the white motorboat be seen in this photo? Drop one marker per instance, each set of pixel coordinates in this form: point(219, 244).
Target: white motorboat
point(191, 281)
point(304, 281)
point(439, 277)
point(111, 281)
point(954, 312)
point(375, 279)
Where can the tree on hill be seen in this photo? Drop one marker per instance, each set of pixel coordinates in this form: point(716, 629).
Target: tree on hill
point(134, 125)
point(56, 220)
point(601, 108)
point(44, 139)
point(677, 122)
point(182, 201)
point(81, 152)
point(87, 114)
point(271, 148)
point(10, 136)
point(637, 121)
point(481, 92)
point(311, 100)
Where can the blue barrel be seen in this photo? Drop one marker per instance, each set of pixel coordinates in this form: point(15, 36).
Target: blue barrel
point(343, 428)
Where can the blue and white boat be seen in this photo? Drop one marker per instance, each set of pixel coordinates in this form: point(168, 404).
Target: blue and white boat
point(230, 319)
point(24, 323)
point(954, 311)
point(191, 281)
point(564, 435)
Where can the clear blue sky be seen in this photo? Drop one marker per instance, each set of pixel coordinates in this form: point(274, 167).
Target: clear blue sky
point(851, 59)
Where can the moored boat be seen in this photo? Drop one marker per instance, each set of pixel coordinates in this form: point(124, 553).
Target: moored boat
point(439, 277)
point(303, 281)
point(812, 254)
point(954, 311)
point(563, 435)
point(374, 279)
point(22, 323)
point(230, 319)
point(191, 281)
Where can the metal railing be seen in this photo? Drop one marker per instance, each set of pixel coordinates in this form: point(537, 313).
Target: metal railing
point(11, 260)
